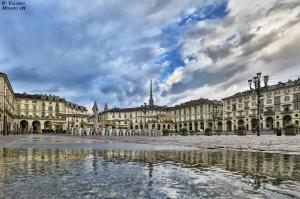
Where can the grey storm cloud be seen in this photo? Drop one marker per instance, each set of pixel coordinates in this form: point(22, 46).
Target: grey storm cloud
point(92, 50)
point(200, 78)
point(228, 51)
point(107, 50)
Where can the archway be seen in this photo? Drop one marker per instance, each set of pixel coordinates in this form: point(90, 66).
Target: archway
point(210, 125)
point(24, 126)
point(286, 120)
point(241, 122)
point(229, 126)
point(169, 126)
point(269, 123)
point(153, 126)
point(220, 124)
point(158, 126)
point(48, 126)
point(202, 125)
point(196, 126)
point(36, 126)
point(253, 123)
point(136, 127)
point(190, 126)
point(163, 126)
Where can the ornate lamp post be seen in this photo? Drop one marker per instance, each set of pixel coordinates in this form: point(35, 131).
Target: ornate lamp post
point(258, 90)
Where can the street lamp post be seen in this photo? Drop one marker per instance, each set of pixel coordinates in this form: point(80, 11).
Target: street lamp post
point(258, 90)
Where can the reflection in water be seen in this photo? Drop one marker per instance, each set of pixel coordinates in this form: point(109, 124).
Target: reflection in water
point(72, 173)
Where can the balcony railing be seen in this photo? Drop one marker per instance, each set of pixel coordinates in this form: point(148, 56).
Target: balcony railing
point(266, 113)
point(287, 111)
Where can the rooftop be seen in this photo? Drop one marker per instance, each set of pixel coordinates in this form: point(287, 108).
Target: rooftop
point(279, 85)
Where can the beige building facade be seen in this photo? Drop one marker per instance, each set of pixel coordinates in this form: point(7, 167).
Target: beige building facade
point(38, 112)
point(279, 105)
point(195, 115)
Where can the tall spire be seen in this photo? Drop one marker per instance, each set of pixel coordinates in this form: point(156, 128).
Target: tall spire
point(151, 101)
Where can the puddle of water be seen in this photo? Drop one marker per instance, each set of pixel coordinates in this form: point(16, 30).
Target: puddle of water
point(75, 173)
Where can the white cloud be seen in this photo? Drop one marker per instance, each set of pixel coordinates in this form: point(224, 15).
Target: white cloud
point(254, 36)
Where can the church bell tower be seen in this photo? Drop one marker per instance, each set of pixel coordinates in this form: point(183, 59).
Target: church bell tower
point(151, 101)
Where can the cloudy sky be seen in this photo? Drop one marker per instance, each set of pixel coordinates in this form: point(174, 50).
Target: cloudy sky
point(107, 51)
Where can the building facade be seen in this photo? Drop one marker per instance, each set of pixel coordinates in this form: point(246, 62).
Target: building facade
point(279, 105)
point(7, 100)
point(37, 112)
point(195, 115)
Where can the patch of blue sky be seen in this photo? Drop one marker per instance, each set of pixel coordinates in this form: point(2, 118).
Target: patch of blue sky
point(205, 13)
point(174, 60)
point(173, 34)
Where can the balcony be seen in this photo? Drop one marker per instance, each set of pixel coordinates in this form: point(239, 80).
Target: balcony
point(266, 113)
point(287, 111)
point(227, 118)
point(240, 116)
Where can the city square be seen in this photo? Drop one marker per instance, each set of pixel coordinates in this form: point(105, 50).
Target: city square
point(150, 99)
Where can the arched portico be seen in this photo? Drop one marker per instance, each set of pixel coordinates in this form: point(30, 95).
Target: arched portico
point(286, 120)
point(36, 126)
point(24, 126)
point(269, 122)
point(220, 124)
point(228, 125)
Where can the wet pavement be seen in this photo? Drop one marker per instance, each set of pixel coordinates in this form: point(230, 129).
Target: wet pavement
point(41, 166)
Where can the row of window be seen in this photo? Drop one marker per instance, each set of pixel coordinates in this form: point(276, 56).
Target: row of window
point(268, 95)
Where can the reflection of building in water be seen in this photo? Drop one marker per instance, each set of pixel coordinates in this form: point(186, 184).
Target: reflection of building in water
point(279, 166)
point(259, 165)
point(35, 160)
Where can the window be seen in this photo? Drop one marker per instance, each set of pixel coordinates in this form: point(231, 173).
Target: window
point(240, 100)
point(269, 95)
point(246, 104)
point(269, 101)
point(228, 107)
point(286, 91)
point(228, 102)
point(297, 97)
point(287, 98)
point(297, 106)
point(240, 105)
point(253, 97)
point(276, 100)
point(233, 107)
point(286, 108)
